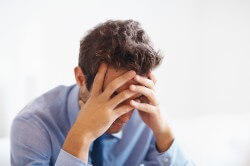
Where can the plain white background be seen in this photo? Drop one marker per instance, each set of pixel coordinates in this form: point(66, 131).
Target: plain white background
point(203, 82)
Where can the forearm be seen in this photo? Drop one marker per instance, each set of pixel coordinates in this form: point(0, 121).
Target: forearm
point(77, 144)
point(164, 139)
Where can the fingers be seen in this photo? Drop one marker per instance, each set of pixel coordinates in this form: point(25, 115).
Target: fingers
point(122, 96)
point(138, 100)
point(123, 110)
point(152, 77)
point(144, 81)
point(99, 78)
point(118, 82)
point(149, 93)
point(143, 106)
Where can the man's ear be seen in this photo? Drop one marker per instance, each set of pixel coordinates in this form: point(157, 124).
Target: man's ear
point(79, 76)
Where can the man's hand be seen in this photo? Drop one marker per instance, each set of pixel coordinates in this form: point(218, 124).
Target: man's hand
point(98, 113)
point(149, 110)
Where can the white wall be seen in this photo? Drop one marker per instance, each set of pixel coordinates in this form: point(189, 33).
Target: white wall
point(206, 45)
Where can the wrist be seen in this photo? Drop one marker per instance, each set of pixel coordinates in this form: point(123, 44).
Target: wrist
point(164, 139)
point(77, 143)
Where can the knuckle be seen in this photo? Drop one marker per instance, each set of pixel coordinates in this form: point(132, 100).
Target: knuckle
point(102, 97)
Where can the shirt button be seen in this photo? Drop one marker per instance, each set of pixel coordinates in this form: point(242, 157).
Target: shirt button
point(165, 159)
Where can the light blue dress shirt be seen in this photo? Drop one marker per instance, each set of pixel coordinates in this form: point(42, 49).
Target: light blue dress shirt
point(39, 130)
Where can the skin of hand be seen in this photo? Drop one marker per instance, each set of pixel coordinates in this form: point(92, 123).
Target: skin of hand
point(150, 112)
point(98, 113)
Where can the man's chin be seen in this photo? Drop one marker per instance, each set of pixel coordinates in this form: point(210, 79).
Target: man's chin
point(114, 129)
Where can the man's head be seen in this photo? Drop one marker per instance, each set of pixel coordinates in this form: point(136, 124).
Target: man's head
point(120, 44)
point(123, 45)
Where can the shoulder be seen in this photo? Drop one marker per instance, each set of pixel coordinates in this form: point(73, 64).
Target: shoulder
point(48, 101)
point(44, 110)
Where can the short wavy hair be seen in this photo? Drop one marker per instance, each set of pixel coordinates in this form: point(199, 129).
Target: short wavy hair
point(122, 44)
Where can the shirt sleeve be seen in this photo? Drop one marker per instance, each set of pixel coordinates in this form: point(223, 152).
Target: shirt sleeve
point(172, 157)
point(67, 159)
point(30, 145)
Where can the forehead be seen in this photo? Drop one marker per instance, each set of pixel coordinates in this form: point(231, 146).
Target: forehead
point(112, 74)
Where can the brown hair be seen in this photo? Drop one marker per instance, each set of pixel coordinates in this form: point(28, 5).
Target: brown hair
point(121, 45)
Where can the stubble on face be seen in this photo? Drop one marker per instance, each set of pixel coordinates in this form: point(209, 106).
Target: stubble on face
point(84, 95)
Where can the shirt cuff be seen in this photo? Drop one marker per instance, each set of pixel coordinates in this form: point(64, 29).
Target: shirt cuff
point(173, 156)
point(66, 159)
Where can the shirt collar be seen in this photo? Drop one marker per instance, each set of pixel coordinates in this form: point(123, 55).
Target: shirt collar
point(73, 108)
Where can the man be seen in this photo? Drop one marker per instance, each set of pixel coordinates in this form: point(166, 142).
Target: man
point(111, 117)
